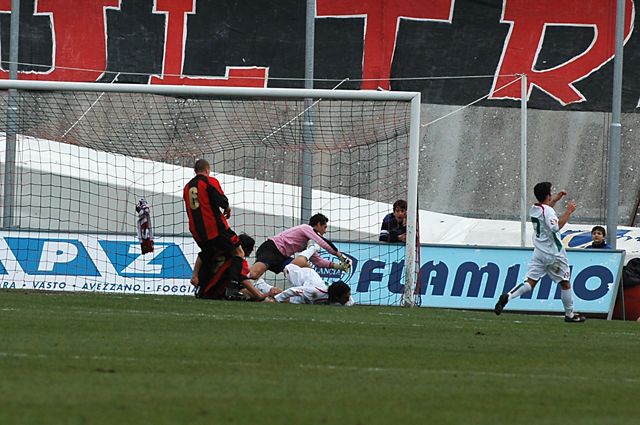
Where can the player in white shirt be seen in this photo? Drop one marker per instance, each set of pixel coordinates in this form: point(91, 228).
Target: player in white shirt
point(549, 255)
point(307, 287)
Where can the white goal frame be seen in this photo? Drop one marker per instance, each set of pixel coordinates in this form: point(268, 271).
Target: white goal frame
point(414, 98)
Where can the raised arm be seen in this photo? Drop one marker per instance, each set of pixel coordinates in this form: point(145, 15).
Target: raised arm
point(557, 197)
point(564, 218)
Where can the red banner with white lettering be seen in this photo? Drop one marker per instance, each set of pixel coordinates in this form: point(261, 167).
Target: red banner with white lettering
point(565, 48)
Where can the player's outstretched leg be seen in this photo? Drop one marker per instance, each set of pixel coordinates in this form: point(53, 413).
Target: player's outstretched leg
point(516, 292)
point(502, 301)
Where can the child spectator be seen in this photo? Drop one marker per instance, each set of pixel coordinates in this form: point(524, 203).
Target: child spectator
point(598, 235)
point(394, 225)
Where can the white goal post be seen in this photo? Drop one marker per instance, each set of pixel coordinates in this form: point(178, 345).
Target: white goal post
point(132, 106)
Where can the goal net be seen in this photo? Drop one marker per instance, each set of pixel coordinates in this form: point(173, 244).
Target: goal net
point(77, 157)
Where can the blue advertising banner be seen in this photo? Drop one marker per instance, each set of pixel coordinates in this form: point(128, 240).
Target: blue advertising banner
point(462, 277)
point(95, 263)
point(473, 277)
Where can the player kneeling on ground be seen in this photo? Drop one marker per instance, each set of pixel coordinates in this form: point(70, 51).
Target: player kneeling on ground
point(307, 287)
point(220, 285)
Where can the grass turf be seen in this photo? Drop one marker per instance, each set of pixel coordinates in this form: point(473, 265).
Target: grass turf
point(87, 358)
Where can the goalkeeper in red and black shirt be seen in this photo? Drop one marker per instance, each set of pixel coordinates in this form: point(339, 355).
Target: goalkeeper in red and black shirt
point(208, 210)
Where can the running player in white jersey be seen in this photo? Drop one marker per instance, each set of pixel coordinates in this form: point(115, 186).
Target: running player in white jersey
point(307, 287)
point(549, 256)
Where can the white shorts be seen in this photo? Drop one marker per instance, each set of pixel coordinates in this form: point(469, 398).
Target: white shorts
point(557, 267)
point(302, 276)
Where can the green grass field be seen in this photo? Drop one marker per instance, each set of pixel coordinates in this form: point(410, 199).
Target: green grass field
point(92, 359)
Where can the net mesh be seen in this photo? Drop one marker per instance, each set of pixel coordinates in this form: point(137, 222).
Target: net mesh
point(85, 158)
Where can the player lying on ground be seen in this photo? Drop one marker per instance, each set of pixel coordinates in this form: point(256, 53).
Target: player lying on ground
point(307, 287)
point(221, 286)
point(276, 252)
point(549, 256)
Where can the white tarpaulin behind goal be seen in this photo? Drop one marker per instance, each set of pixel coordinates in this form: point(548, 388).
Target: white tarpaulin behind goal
point(44, 157)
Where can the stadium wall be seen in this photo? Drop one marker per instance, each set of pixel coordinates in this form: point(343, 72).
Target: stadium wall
point(470, 161)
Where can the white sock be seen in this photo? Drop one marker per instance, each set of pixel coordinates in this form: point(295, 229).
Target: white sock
point(566, 295)
point(307, 253)
point(262, 286)
point(519, 290)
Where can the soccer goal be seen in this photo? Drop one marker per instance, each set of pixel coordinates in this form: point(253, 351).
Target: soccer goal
point(77, 157)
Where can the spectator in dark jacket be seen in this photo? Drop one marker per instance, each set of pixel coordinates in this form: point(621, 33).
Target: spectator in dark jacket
point(394, 225)
point(597, 237)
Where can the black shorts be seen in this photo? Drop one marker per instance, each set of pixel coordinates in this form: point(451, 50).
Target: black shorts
point(224, 244)
point(268, 254)
point(213, 279)
point(212, 250)
point(215, 282)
